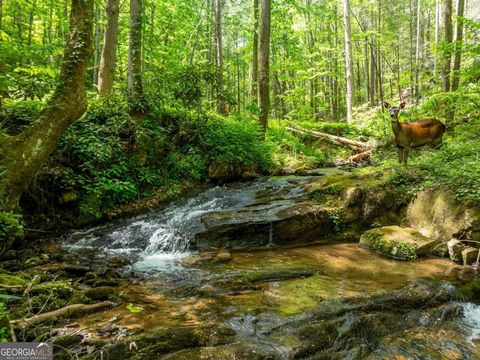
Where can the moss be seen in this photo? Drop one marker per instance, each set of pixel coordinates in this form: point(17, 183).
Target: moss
point(6, 279)
point(470, 291)
point(60, 289)
point(11, 229)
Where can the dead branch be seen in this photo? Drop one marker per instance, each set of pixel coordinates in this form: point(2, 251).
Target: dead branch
point(331, 138)
point(69, 310)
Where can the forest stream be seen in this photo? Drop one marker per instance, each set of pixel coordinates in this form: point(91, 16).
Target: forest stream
point(275, 302)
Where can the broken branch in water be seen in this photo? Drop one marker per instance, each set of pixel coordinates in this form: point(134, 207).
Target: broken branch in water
point(69, 310)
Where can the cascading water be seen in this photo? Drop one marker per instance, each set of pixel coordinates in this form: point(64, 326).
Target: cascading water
point(156, 240)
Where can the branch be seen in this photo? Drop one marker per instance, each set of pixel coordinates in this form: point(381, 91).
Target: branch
point(62, 312)
point(331, 138)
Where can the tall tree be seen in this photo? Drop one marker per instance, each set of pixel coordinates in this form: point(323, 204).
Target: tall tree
point(447, 52)
point(348, 60)
point(221, 106)
point(438, 14)
point(264, 64)
point(135, 83)
point(458, 44)
point(254, 76)
point(21, 156)
point(109, 50)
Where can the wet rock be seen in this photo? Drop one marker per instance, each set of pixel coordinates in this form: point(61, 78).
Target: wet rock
point(223, 257)
point(455, 248)
point(469, 255)
point(398, 242)
point(261, 225)
point(100, 293)
point(102, 282)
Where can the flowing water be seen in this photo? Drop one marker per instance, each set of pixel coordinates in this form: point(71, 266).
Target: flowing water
point(181, 287)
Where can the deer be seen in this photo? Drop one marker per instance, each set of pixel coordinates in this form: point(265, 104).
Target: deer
point(413, 135)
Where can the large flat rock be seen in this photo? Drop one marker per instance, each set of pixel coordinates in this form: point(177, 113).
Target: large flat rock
point(398, 242)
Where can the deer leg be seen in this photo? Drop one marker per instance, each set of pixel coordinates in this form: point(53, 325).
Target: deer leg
point(405, 154)
point(400, 154)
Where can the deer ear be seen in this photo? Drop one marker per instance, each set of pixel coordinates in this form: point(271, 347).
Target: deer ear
point(402, 104)
point(386, 105)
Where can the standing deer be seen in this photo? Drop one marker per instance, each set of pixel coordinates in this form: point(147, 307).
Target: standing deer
point(407, 135)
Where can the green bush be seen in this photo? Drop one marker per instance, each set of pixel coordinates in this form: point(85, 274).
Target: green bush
point(227, 140)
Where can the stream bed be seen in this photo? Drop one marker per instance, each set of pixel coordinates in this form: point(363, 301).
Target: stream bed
point(269, 297)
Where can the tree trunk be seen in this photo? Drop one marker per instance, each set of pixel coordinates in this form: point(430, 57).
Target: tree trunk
point(447, 53)
point(23, 155)
point(348, 60)
point(135, 87)
point(221, 107)
point(263, 65)
point(417, 50)
point(109, 50)
point(458, 44)
point(438, 13)
point(252, 95)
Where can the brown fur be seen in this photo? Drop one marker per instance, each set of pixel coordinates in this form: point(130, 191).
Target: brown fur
point(412, 135)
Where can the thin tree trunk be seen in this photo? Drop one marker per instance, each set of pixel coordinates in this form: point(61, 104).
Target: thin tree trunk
point(30, 24)
point(252, 95)
point(447, 53)
point(109, 50)
point(24, 154)
point(221, 106)
point(263, 65)
point(438, 14)
point(348, 60)
point(458, 44)
point(135, 83)
point(96, 46)
point(417, 50)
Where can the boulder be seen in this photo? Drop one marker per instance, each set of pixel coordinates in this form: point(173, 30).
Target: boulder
point(436, 214)
point(469, 255)
point(398, 242)
point(100, 293)
point(227, 172)
point(455, 248)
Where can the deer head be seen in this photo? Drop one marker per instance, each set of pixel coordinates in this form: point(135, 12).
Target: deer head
point(394, 110)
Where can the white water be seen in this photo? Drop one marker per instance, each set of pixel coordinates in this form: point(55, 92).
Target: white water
point(471, 318)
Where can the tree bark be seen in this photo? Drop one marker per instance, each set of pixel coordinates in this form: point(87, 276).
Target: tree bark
point(109, 50)
point(24, 154)
point(458, 45)
point(348, 60)
point(263, 65)
point(135, 83)
point(221, 106)
point(447, 53)
point(253, 85)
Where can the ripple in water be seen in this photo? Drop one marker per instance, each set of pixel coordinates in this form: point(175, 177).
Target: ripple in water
point(471, 318)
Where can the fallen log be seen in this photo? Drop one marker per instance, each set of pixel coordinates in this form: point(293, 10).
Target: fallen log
point(359, 157)
point(69, 310)
point(331, 138)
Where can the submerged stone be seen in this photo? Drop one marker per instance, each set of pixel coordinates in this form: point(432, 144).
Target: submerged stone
point(398, 242)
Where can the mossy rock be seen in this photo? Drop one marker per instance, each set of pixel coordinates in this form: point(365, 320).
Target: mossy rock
point(11, 280)
point(398, 242)
point(61, 289)
point(100, 293)
point(470, 291)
